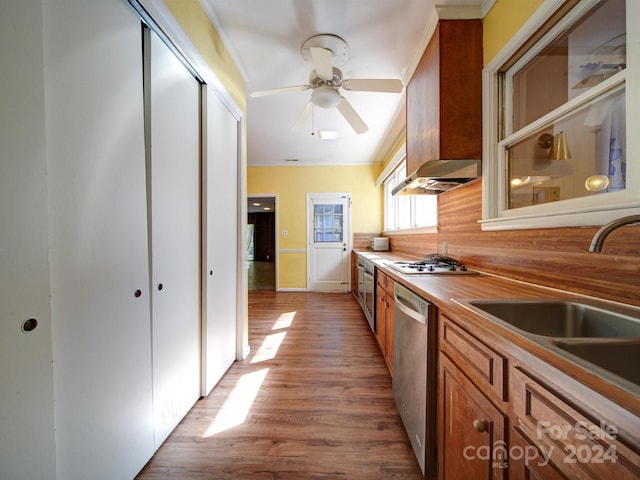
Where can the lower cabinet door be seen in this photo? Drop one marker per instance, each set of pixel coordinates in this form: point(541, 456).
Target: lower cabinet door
point(472, 431)
point(527, 460)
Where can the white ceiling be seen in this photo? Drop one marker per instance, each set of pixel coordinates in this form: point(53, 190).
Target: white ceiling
point(385, 38)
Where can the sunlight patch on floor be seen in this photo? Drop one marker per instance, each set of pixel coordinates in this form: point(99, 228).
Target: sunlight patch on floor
point(236, 408)
point(269, 347)
point(284, 321)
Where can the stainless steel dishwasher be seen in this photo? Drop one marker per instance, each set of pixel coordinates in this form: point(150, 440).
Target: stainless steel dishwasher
point(414, 372)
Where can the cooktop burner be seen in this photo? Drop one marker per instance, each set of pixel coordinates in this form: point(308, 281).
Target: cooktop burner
point(433, 263)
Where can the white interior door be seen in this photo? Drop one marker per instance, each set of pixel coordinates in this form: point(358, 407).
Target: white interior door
point(173, 97)
point(221, 247)
point(328, 240)
point(98, 239)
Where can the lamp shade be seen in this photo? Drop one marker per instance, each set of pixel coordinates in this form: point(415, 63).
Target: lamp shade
point(560, 149)
point(325, 96)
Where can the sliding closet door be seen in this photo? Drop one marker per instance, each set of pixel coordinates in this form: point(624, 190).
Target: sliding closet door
point(98, 239)
point(27, 450)
point(173, 107)
point(220, 249)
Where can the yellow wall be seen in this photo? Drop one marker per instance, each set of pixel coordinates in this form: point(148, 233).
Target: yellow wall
point(502, 22)
point(291, 184)
point(194, 21)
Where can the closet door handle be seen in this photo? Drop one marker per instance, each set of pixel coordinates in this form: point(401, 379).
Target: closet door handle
point(160, 286)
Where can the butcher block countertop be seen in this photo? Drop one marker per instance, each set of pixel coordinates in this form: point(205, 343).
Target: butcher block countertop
point(441, 290)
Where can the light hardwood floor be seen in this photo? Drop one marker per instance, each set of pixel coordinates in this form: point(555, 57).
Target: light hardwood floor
point(312, 401)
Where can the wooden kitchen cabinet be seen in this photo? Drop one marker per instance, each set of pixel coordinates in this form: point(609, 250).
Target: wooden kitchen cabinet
point(354, 273)
point(384, 317)
point(560, 439)
point(444, 96)
point(484, 366)
point(471, 429)
point(504, 413)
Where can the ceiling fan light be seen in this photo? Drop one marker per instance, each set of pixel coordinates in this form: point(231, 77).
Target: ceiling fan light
point(325, 97)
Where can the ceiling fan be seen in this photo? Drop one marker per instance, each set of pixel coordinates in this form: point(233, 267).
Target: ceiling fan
point(327, 52)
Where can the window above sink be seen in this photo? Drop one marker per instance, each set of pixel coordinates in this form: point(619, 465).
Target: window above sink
point(557, 100)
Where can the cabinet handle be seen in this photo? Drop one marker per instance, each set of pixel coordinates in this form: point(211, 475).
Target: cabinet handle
point(480, 425)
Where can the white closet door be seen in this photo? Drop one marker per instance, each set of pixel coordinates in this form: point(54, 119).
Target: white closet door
point(98, 239)
point(220, 244)
point(175, 236)
point(27, 450)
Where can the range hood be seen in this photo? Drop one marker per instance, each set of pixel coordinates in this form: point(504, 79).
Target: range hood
point(438, 176)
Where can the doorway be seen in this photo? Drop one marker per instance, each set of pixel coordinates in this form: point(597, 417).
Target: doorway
point(261, 242)
point(328, 240)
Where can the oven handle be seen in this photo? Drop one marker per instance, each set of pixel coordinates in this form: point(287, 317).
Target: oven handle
point(367, 272)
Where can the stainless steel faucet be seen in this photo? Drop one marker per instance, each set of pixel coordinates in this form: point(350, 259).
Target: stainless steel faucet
point(598, 238)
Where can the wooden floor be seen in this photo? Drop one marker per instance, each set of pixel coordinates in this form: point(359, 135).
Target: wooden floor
point(313, 401)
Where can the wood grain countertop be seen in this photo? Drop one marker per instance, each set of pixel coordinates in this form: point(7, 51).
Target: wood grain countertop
point(442, 289)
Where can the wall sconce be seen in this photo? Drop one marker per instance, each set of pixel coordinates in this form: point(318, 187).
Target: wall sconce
point(558, 148)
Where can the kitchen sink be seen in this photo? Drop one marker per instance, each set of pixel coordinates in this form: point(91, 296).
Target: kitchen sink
point(618, 357)
point(598, 336)
point(557, 318)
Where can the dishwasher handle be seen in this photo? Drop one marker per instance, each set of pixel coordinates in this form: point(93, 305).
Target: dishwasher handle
point(410, 304)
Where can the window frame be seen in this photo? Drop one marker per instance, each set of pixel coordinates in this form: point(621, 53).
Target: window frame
point(581, 211)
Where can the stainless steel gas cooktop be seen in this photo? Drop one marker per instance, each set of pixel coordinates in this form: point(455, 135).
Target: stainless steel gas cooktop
point(432, 264)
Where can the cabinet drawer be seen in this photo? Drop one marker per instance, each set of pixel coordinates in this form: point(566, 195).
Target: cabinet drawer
point(575, 442)
point(481, 364)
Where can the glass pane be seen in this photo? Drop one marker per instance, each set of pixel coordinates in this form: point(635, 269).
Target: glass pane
point(592, 50)
point(426, 210)
point(404, 211)
point(327, 223)
point(577, 156)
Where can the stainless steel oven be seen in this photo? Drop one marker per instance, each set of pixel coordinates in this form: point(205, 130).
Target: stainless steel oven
point(366, 289)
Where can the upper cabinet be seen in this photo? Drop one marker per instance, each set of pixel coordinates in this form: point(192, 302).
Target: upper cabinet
point(444, 96)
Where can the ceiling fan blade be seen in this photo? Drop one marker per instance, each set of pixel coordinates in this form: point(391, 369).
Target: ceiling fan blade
point(322, 59)
point(303, 117)
point(351, 116)
point(387, 85)
point(276, 91)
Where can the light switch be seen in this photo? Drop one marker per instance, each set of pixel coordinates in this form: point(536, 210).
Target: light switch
point(285, 233)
